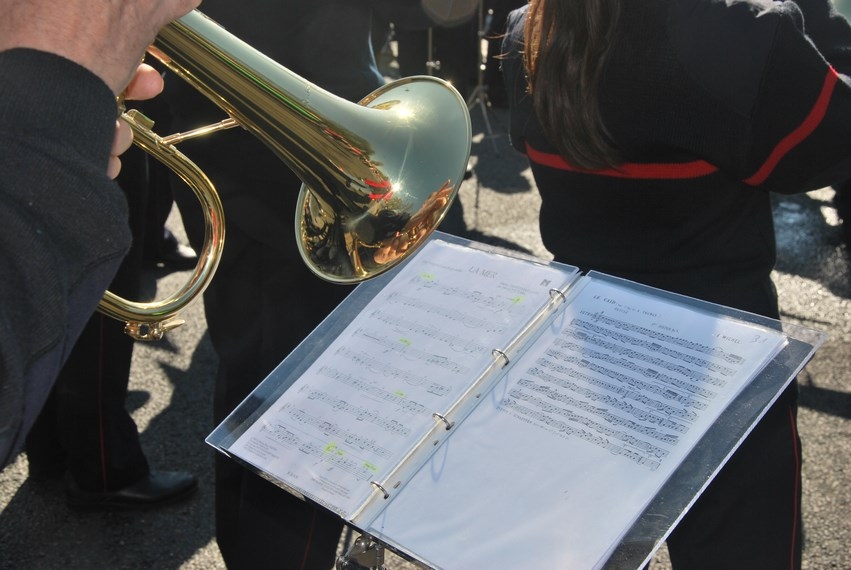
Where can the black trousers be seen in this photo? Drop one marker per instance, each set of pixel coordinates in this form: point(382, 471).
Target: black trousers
point(84, 426)
point(842, 201)
point(749, 516)
point(259, 307)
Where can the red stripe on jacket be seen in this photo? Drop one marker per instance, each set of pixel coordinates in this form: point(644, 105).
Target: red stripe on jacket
point(664, 170)
point(698, 168)
point(804, 130)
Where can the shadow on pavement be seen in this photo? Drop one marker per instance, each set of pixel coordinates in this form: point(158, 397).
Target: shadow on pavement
point(38, 531)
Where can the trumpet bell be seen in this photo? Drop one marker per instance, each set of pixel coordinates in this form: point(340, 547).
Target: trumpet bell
point(378, 176)
point(395, 186)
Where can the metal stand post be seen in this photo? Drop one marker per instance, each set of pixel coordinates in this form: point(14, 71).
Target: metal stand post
point(479, 96)
point(432, 64)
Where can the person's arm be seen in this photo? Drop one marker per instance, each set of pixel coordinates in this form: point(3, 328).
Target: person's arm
point(800, 117)
point(782, 111)
point(63, 221)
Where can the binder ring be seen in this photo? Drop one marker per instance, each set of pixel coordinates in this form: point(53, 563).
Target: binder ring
point(446, 422)
point(497, 353)
point(556, 294)
point(380, 488)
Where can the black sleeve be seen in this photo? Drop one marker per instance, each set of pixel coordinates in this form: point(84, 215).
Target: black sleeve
point(63, 223)
point(793, 104)
point(802, 119)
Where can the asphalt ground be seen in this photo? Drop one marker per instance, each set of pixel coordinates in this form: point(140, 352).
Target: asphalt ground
point(172, 386)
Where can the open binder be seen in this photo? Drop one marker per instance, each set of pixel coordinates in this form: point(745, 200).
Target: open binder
point(477, 408)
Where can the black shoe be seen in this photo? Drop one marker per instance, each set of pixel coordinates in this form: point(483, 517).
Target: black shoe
point(44, 474)
point(157, 489)
point(42, 470)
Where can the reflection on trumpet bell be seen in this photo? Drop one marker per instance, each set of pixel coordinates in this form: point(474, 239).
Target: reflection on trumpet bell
point(400, 234)
point(418, 227)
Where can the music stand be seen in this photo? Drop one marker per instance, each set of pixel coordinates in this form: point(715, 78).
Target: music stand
point(479, 96)
point(426, 521)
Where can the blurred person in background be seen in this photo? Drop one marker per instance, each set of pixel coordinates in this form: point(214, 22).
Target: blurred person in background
point(655, 132)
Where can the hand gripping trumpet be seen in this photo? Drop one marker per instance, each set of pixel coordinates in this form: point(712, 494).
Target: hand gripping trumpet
point(378, 176)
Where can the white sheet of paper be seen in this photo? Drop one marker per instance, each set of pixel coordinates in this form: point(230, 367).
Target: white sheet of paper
point(410, 353)
point(572, 444)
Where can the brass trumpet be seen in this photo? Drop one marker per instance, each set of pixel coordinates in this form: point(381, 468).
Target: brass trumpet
point(378, 176)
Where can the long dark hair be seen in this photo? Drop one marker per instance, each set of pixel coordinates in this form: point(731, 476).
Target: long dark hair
point(567, 43)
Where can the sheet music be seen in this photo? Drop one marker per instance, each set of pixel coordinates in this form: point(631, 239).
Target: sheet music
point(591, 421)
point(410, 353)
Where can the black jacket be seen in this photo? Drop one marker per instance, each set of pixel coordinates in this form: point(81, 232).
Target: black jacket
point(714, 105)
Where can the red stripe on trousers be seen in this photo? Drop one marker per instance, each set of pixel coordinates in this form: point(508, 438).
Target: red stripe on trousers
point(103, 471)
point(309, 540)
point(796, 451)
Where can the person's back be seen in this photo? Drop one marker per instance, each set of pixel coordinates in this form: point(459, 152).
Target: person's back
point(704, 108)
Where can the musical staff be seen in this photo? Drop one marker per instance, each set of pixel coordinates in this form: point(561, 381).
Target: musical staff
point(327, 453)
point(333, 429)
point(610, 393)
point(382, 366)
point(625, 346)
point(605, 405)
point(361, 414)
point(565, 429)
point(455, 343)
point(484, 321)
point(602, 317)
point(375, 390)
point(487, 302)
